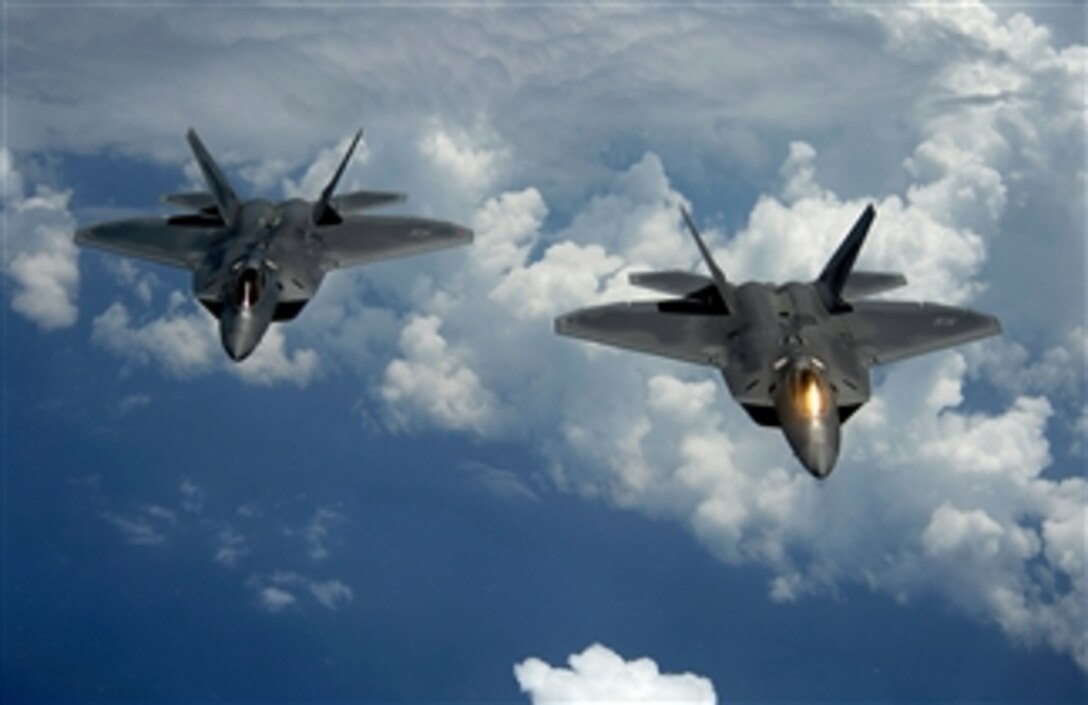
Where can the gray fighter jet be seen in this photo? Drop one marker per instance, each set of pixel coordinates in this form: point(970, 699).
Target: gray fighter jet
point(795, 356)
point(255, 262)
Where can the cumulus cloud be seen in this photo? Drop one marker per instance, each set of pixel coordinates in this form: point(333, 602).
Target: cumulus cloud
point(40, 256)
point(432, 379)
point(966, 130)
point(182, 342)
point(600, 675)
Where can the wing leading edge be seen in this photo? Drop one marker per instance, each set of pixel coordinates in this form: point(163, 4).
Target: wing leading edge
point(645, 327)
point(886, 331)
point(152, 239)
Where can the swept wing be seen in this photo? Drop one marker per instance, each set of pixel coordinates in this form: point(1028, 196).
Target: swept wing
point(886, 331)
point(368, 238)
point(690, 336)
point(152, 239)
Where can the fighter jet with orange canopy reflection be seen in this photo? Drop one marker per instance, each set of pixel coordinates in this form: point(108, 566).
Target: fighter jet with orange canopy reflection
point(796, 355)
point(255, 262)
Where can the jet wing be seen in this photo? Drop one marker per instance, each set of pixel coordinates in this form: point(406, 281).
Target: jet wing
point(366, 238)
point(687, 335)
point(152, 239)
point(886, 331)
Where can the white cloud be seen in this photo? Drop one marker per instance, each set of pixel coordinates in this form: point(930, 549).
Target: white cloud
point(317, 532)
point(500, 482)
point(132, 402)
point(142, 282)
point(274, 590)
point(463, 160)
point(192, 496)
point(231, 547)
point(600, 675)
point(964, 534)
point(432, 379)
point(274, 599)
point(184, 344)
point(139, 531)
point(331, 594)
point(39, 254)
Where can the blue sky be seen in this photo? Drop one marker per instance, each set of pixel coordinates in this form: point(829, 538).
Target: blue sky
point(416, 492)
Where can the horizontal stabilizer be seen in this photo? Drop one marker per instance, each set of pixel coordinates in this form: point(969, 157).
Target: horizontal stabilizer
point(862, 284)
point(675, 282)
point(361, 200)
point(193, 200)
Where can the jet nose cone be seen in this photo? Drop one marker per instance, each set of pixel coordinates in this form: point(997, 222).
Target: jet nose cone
point(814, 442)
point(239, 339)
point(237, 353)
point(819, 461)
point(237, 348)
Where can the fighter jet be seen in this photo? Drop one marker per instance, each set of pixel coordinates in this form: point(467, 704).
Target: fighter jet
point(796, 355)
point(254, 261)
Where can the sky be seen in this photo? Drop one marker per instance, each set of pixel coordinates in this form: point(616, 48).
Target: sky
point(417, 492)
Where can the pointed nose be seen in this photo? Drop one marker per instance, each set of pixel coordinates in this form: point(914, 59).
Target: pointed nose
point(239, 336)
point(819, 459)
point(815, 442)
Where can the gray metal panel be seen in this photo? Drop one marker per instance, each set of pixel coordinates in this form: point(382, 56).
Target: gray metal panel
point(151, 239)
point(644, 328)
point(862, 284)
point(671, 282)
point(361, 200)
point(193, 200)
point(362, 238)
point(886, 331)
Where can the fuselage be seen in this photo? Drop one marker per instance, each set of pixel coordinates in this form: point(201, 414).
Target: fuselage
point(792, 364)
point(263, 269)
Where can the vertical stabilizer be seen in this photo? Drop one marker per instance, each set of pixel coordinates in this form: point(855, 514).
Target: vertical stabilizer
point(715, 271)
point(832, 280)
point(225, 199)
point(323, 213)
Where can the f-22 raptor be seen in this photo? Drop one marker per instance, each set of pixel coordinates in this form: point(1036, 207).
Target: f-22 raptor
point(795, 356)
point(255, 262)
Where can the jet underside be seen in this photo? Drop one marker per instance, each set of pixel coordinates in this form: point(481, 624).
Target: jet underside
point(795, 356)
point(256, 262)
